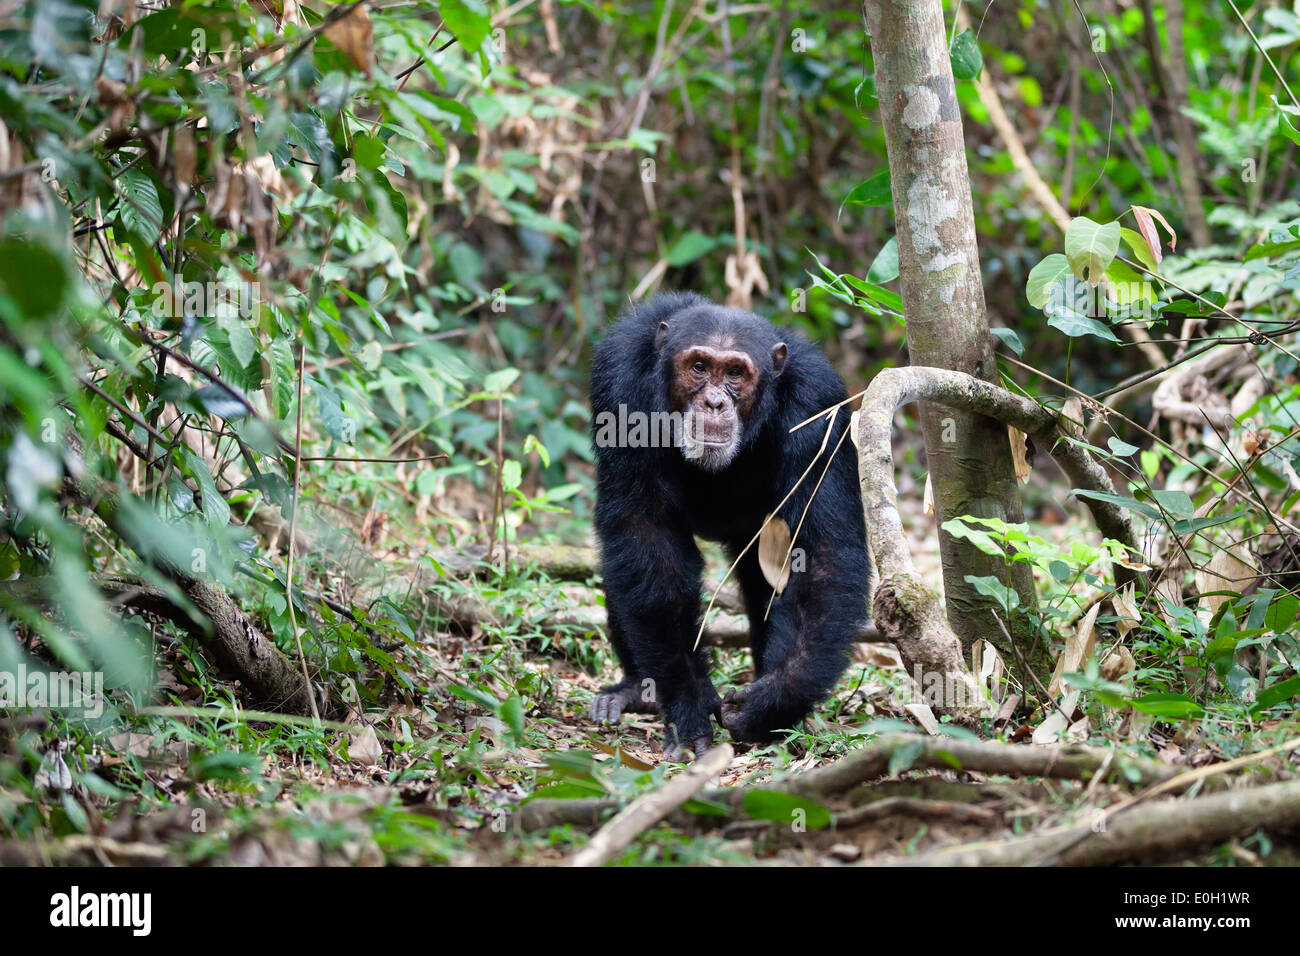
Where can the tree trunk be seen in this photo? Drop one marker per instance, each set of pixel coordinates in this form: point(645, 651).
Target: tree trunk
point(1174, 82)
point(969, 456)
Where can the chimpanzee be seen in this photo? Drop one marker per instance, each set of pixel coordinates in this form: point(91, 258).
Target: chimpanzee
point(738, 385)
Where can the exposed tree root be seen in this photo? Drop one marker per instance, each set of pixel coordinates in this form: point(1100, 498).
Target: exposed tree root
point(467, 609)
point(1160, 830)
point(1061, 762)
point(908, 613)
point(646, 811)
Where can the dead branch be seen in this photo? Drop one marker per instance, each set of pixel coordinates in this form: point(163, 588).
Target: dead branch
point(1146, 833)
point(222, 628)
point(1061, 762)
point(210, 616)
point(647, 810)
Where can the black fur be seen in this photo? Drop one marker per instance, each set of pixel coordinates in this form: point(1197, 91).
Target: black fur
point(652, 502)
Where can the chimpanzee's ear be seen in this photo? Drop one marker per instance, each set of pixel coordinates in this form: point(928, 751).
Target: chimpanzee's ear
point(660, 336)
point(778, 357)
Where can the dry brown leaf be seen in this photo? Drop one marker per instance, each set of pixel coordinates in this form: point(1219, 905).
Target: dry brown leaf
point(184, 156)
point(989, 669)
point(355, 36)
point(1071, 420)
point(1229, 570)
point(774, 552)
point(363, 745)
point(1125, 602)
point(1020, 454)
point(924, 716)
point(1057, 722)
point(1118, 663)
point(1147, 227)
point(878, 655)
point(1079, 646)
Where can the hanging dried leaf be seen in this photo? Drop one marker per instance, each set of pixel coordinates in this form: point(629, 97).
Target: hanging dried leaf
point(355, 36)
point(1126, 609)
point(184, 156)
point(1229, 570)
point(1071, 420)
point(1020, 454)
point(1146, 225)
point(1079, 646)
point(774, 553)
point(924, 716)
point(927, 498)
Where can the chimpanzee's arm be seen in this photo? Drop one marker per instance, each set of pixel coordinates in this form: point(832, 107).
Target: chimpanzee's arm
point(812, 624)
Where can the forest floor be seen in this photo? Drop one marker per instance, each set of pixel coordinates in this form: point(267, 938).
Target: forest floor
point(480, 712)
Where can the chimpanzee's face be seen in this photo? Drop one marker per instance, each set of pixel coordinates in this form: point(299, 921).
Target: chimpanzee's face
point(718, 362)
point(716, 390)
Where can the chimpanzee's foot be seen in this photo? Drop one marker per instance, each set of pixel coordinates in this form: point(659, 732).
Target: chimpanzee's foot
point(685, 753)
point(609, 704)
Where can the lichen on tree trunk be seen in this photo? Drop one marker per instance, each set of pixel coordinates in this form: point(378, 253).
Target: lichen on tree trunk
point(968, 455)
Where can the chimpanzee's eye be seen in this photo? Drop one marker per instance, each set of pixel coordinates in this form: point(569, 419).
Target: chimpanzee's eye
point(698, 366)
point(735, 371)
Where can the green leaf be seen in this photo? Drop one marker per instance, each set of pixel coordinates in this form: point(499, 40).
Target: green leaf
point(1173, 706)
point(874, 192)
point(1190, 525)
point(1272, 696)
point(1009, 338)
point(966, 58)
point(468, 20)
point(1141, 249)
point(511, 475)
point(1177, 503)
point(1090, 247)
point(1281, 613)
point(215, 509)
point(1132, 504)
point(497, 382)
point(780, 807)
point(1075, 325)
point(33, 276)
point(141, 210)
point(689, 247)
point(884, 268)
point(340, 426)
point(990, 586)
point(1044, 276)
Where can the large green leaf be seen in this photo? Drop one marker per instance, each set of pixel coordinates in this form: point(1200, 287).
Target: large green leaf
point(1090, 247)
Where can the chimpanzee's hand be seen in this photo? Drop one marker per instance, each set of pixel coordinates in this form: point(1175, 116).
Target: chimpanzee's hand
point(739, 717)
